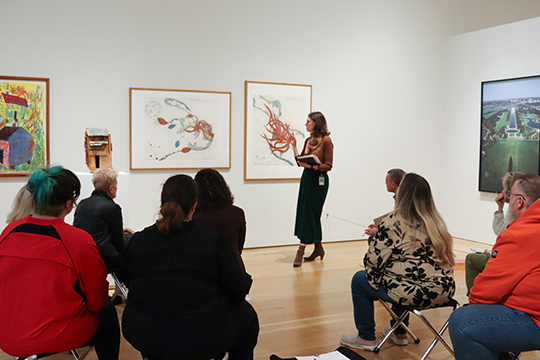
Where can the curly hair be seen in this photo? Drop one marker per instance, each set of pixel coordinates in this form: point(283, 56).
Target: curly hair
point(213, 190)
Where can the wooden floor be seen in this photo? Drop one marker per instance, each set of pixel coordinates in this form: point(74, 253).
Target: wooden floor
point(304, 311)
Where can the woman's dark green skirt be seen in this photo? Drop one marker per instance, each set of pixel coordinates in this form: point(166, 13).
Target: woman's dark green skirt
point(311, 198)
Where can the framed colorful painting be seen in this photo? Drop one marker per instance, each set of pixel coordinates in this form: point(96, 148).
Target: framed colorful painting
point(24, 125)
point(509, 130)
point(274, 113)
point(179, 129)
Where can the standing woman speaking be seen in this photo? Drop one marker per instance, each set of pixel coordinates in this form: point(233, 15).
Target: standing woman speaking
point(313, 186)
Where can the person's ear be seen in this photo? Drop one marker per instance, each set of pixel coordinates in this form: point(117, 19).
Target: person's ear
point(191, 212)
point(69, 206)
point(522, 204)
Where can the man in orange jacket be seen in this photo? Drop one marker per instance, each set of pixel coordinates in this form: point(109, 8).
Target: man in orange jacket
point(504, 315)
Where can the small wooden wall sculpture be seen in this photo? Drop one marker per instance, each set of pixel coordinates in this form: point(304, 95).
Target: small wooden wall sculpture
point(98, 147)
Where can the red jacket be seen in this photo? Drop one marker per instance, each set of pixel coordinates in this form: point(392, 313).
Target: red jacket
point(53, 283)
point(512, 277)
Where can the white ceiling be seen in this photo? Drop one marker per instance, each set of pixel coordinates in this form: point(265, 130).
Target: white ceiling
point(462, 16)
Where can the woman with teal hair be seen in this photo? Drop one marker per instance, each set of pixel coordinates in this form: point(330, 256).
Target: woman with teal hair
point(65, 303)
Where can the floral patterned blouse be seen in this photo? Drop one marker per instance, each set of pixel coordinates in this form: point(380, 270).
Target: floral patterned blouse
point(400, 259)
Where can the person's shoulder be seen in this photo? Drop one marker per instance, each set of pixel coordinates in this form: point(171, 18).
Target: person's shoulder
point(83, 204)
point(236, 209)
point(391, 217)
point(400, 224)
point(70, 228)
point(73, 234)
point(198, 229)
point(149, 230)
point(327, 140)
point(9, 227)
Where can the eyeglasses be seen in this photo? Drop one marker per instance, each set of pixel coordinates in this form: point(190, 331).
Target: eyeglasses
point(509, 194)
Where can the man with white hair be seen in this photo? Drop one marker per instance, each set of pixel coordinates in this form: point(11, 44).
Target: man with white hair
point(504, 311)
point(101, 217)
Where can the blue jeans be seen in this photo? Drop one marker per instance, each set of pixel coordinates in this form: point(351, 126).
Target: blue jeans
point(491, 331)
point(363, 296)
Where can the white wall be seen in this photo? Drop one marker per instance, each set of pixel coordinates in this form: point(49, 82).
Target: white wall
point(498, 53)
point(377, 70)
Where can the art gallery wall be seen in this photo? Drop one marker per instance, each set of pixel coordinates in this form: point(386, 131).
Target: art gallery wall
point(378, 71)
point(497, 53)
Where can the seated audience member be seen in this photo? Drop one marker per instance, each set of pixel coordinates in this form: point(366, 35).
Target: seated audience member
point(101, 217)
point(21, 207)
point(409, 263)
point(500, 222)
point(504, 311)
point(186, 287)
point(57, 267)
point(215, 210)
point(476, 262)
point(392, 181)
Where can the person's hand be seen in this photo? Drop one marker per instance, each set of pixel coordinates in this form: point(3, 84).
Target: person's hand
point(128, 231)
point(372, 229)
point(293, 139)
point(303, 164)
point(500, 200)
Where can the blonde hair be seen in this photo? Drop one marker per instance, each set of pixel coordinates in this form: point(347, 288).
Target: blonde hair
point(103, 178)
point(415, 204)
point(22, 205)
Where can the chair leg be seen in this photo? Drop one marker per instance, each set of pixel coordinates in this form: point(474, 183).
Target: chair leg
point(83, 354)
point(75, 354)
point(119, 286)
point(399, 321)
point(438, 334)
point(396, 318)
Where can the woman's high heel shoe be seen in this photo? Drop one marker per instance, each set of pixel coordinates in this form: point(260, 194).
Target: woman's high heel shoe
point(299, 253)
point(318, 251)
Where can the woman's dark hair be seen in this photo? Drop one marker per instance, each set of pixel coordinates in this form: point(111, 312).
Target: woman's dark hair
point(51, 187)
point(213, 190)
point(178, 196)
point(321, 129)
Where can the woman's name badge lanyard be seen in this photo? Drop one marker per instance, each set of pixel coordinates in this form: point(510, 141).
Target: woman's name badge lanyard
point(321, 180)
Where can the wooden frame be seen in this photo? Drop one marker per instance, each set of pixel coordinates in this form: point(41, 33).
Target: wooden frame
point(24, 124)
point(274, 112)
point(179, 129)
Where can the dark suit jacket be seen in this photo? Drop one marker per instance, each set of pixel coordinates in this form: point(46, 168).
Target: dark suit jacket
point(101, 217)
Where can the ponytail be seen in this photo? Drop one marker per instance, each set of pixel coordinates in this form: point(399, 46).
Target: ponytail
point(171, 217)
point(178, 197)
point(51, 188)
point(41, 185)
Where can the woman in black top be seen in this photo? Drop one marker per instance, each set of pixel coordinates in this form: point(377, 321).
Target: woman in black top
point(186, 287)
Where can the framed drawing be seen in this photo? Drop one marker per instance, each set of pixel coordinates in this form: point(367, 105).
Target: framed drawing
point(179, 129)
point(24, 125)
point(274, 112)
point(509, 133)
